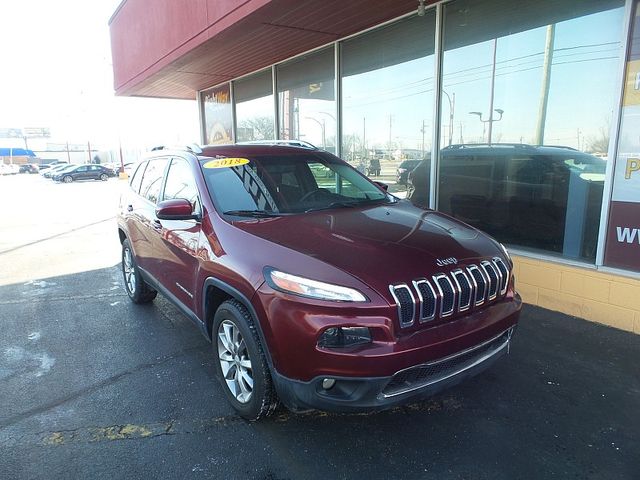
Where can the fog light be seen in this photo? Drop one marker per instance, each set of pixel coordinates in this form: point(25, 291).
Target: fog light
point(328, 383)
point(338, 337)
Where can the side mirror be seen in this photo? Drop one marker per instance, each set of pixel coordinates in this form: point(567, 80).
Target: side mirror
point(176, 209)
point(383, 186)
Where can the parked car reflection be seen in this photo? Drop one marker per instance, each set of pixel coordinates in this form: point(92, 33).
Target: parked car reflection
point(543, 197)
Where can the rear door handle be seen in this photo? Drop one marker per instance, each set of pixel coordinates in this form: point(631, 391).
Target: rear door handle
point(156, 224)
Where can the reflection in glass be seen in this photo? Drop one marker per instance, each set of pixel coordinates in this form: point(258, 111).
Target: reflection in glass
point(387, 99)
point(306, 96)
point(254, 107)
point(518, 76)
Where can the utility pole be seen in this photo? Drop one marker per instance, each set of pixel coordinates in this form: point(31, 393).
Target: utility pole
point(422, 130)
point(546, 81)
point(493, 85)
point(364, 136)
point(89, 150)
point(451, 111)
point(121, 159)
point(390, 123)
point(68, 154)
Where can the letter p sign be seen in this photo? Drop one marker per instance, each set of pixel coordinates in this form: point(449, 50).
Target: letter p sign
point(633, 165)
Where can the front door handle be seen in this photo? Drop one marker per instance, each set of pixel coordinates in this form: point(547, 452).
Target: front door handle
point(156, 224)
point(129, 208)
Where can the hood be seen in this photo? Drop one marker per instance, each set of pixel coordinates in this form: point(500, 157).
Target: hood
point(379, 245)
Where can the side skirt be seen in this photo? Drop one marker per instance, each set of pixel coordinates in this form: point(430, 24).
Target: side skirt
point(186, 311)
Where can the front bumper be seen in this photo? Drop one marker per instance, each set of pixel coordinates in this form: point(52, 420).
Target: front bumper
point(353, 394)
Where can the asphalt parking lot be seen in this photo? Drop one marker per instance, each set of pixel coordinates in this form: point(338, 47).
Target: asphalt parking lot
point(92, 386)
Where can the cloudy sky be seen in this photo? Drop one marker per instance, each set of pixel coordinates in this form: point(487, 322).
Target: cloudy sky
point(56, 72)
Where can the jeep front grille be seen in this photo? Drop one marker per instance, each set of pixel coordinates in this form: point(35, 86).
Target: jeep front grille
point(446, 294)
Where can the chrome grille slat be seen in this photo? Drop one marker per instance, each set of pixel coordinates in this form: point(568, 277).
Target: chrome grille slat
point(447, 293)
point(493, 278)
point(504, 271)
point(465, 288)
point(427, 298)
point(480, 282)
point(406, 305)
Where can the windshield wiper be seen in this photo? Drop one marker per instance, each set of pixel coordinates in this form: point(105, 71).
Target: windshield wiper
point(344, 204)
point(252, 213)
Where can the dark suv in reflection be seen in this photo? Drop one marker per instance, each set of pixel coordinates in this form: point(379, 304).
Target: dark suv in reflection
point(315, 286)
point(544, 197)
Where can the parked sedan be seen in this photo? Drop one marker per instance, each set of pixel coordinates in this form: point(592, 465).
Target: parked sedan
point(53, 170)
point(84, 172)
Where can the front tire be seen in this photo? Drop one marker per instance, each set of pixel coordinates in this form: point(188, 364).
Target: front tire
point(67, 179)
point(137, 289)
point(104, 177)
point(240, 363)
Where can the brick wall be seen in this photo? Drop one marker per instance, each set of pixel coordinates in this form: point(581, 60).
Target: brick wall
point(587, 293)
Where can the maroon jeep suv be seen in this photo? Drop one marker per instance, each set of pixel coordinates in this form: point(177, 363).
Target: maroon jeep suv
point(316, 287)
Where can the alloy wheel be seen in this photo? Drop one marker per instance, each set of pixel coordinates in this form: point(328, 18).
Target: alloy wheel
point(234, 361)
point(129, 271)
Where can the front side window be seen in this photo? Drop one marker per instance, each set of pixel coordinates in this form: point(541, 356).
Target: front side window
point(180, 184)
point(289, 184)
point(136, 180)
point(152, 179)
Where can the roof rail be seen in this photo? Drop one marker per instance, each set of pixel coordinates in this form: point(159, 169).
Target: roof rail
point(192, 147)
point(284, 143)
point(560, 146)
point(461, 146)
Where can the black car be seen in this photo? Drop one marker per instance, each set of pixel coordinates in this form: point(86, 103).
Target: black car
point(403, 170)
point(29, 168)
point(84, 172)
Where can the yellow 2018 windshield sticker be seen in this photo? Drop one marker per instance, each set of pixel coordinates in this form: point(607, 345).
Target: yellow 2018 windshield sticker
point(225, 162)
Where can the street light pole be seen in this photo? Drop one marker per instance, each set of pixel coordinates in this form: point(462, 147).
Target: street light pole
point(452, 107)
point(489, 121)
point(493, 85)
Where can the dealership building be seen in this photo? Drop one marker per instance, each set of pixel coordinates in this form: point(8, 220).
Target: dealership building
point(519, 117)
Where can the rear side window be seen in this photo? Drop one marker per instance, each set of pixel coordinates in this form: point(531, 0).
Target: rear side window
point(136, 180)
point(152, 179)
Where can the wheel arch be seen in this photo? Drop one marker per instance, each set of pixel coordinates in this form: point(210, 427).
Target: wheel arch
point(214, 293)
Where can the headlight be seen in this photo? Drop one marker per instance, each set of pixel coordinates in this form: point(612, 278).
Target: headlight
point(305, 287)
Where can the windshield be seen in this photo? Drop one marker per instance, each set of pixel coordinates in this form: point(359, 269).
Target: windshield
point(271, 185)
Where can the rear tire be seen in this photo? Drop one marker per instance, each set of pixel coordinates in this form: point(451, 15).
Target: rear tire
point(137, 289)
point(240, 362)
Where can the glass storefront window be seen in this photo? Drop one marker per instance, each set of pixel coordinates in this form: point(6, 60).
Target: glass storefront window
point(387, 100)
point(528, 99)
point(306, 96)
point(254, 107)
